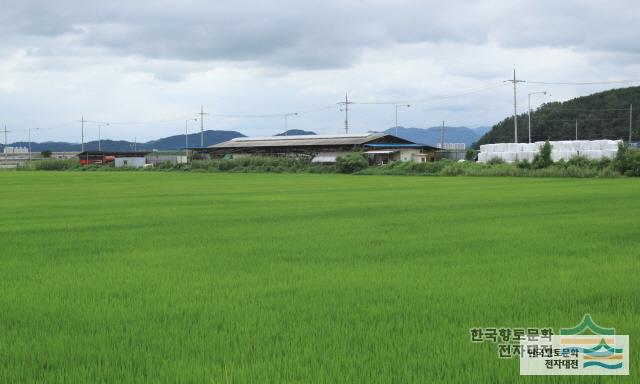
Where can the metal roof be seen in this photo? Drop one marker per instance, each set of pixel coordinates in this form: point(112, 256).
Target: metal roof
point(113, 153)
point(379, 152)
point(303, 140)
point(393, 145)
point(301, 137)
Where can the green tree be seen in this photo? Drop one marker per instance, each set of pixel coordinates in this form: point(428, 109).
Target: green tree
point(351, 163)
point(45, 153)
point(627, 161)
point(470, 154)
point(543, 158)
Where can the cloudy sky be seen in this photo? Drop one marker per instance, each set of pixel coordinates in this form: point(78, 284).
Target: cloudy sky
point(146, 66)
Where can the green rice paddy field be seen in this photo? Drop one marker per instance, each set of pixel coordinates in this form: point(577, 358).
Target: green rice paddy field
point(170, 277)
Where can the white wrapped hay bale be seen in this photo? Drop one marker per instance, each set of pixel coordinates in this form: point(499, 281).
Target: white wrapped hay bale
point(613, 144)
point(576, 145)
point(533, 147)
point(609, 153)
point(603, 145)
point(509, 157)
point(564, 146)
point(501, 147)
point(512, 147)
point(586, 145)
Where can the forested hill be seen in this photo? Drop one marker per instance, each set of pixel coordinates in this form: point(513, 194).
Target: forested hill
point(603, 115)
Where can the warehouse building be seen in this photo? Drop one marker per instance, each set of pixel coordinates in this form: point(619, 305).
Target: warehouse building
point(380, 148)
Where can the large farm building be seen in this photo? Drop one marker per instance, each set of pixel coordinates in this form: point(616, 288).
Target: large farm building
point(380, 148)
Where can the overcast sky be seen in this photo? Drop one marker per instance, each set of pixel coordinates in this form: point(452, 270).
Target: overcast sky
point(159, 60)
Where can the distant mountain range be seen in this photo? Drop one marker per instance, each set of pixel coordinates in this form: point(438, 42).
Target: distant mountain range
point(295, 132)
point(431, 136)
point(170, 143)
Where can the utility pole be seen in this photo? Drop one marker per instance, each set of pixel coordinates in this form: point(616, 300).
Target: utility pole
point(346, 113)
point(346, 103)
point(515, 105)
point(202, 115)
point(442, 136)
point(576, 129)
point(630, 121)
point(82, 121)
point(5, 142)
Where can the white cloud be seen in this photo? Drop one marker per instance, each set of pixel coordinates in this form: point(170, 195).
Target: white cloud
point(153, 60)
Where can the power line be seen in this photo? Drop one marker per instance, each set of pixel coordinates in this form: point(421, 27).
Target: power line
point(347, 102)
point(271, 115)
point(434, 98)
point(583, 110)
point(582, 119)
point(49, 128)
point(176, 120)
point(582, 83)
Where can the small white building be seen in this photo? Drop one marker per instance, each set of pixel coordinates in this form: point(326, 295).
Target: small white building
point(15, 150)
point(453, 146)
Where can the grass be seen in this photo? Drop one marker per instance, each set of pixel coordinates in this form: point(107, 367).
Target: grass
point(186, 277)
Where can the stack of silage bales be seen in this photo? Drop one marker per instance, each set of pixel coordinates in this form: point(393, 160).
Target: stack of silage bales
point(600, 149)
point(508, 152)
point(560, 150)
